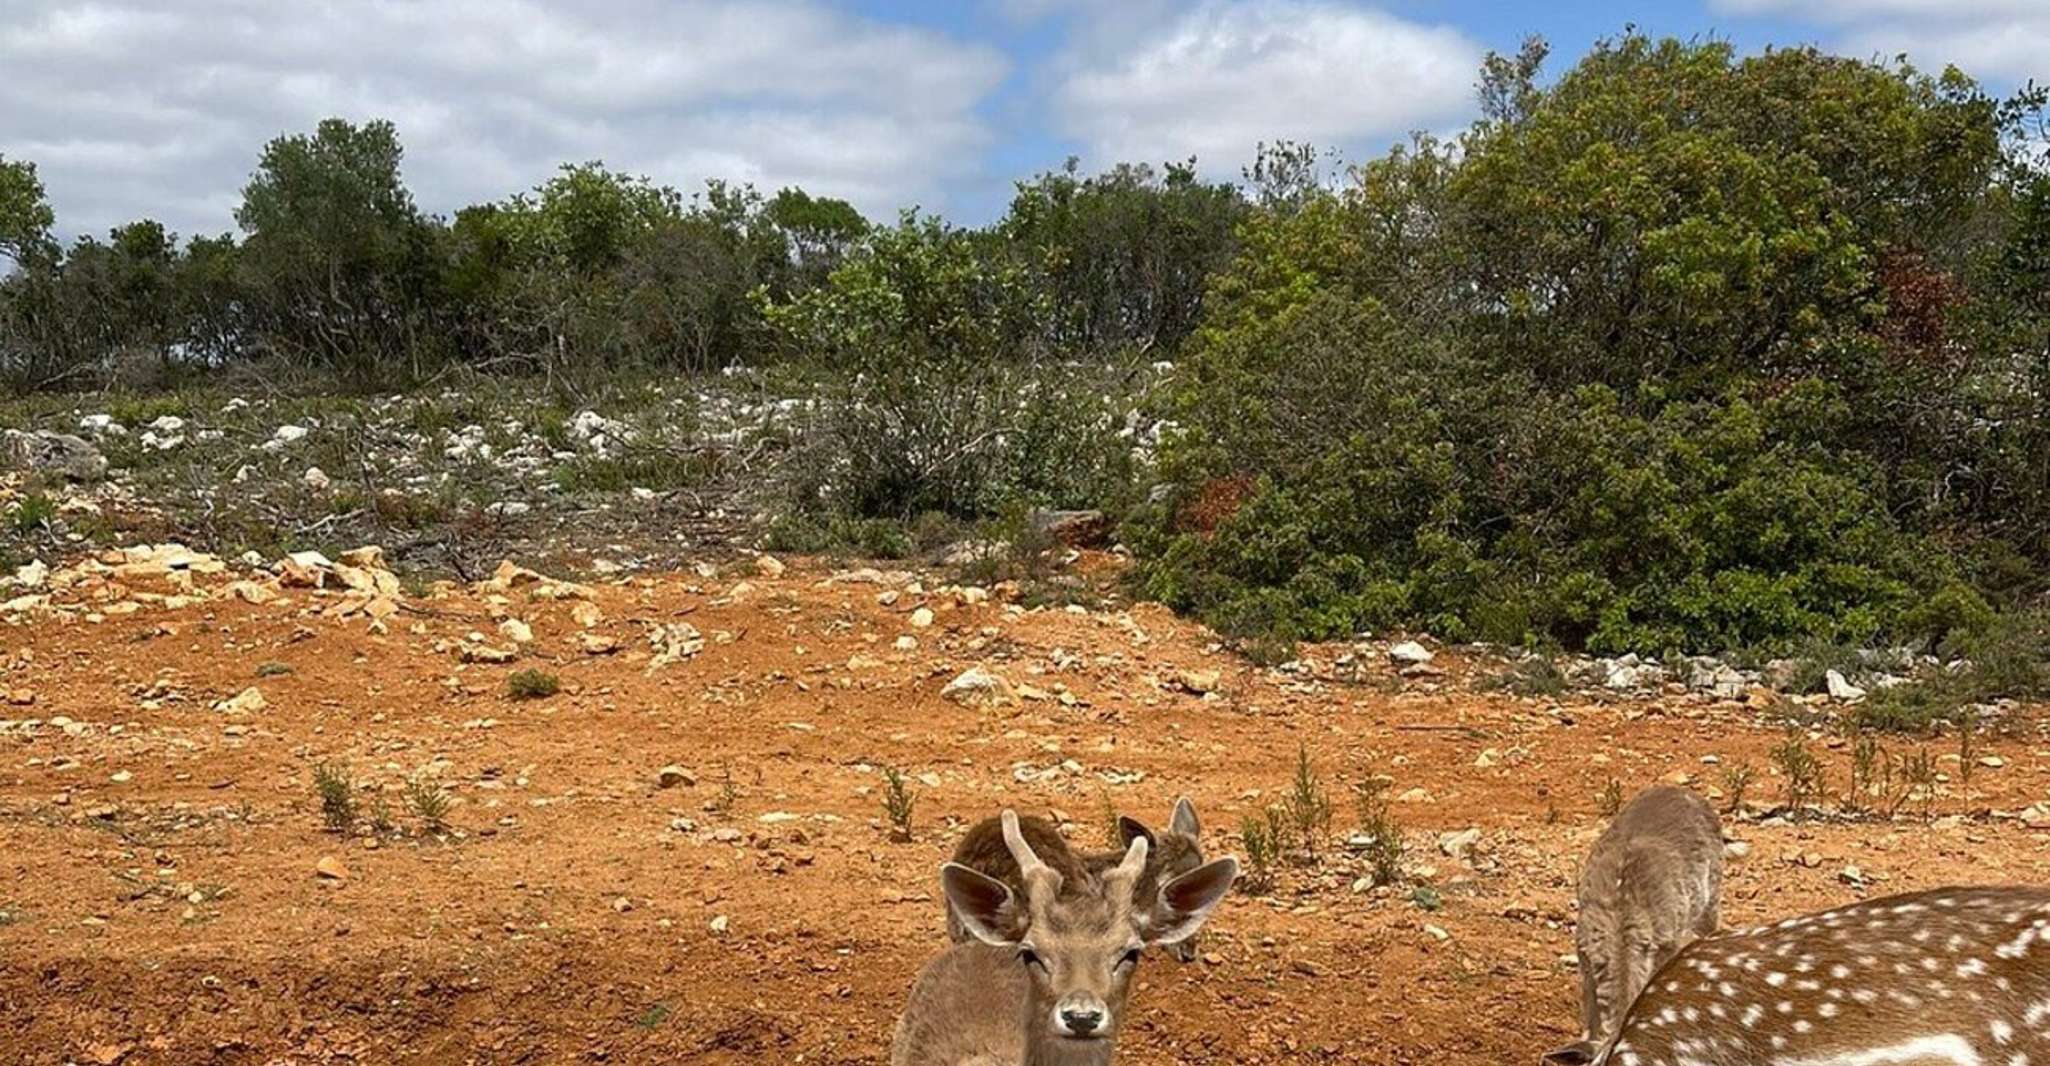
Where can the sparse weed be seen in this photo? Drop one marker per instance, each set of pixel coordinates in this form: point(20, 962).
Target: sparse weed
point(1260, 839)
point(1377, 822)
point(337, 795)
point(1113, 833)
point(1308, 806)
point(898, 803)
point(32, 512)
point(1917, 777)
point(532, 684)
point(1610, 801)
point(1803, 772)
point(428, 802)
point(1737, 783)
point(272, 668)
point(381, 821)
point(1535, 675)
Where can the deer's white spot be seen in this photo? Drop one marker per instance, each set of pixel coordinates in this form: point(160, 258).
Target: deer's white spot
point(2002, 1032)
point(1939, 1047)
point(1751, 1015)
point(1825, 1010)
point(1775, 979)
point(1971, 967)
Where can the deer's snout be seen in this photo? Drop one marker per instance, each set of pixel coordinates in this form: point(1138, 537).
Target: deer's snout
point(1082, 1018)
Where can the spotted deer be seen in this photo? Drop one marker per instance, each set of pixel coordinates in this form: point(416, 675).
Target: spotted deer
point(1650, 886)
point(1169, 855)
point(1949, 977)
point(1044, 980)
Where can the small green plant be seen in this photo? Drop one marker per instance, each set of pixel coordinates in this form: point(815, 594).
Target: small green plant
point(1736, 784)
point(1802, 771)
point(1917, 778)
point(532, 684)
point(1967, 720)
point(898, 802)
point(1260, 839)
point(1610, 801)
point(1534, 675)
point(1377, 823)
point(428, 802)
point(1426, 899)
point(337, 795)
point(32, 512)
point(729, 793)
point(1869, 763)
point(1308, 806)
point(655, 1015)
point(381, 821)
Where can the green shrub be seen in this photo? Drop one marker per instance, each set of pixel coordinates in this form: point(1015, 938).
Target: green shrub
point(532, 684)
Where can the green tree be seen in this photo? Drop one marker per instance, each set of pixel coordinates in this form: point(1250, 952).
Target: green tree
point(25, 215)
point(339, 268)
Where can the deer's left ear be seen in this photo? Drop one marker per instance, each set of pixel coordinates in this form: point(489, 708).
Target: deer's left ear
point(1184, 822)
point(1130, 829)
point(1186, 901)
point(985, 905)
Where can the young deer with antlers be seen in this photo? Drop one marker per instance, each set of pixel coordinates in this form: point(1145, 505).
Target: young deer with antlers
point(1950, 977)
point(1168, 856)
point(1045, 980)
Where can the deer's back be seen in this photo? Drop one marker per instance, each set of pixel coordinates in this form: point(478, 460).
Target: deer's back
point(1658, 869)
point(1950, 976)
point(963, 1011)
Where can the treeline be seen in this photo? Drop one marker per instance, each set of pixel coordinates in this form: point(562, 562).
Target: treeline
point(337, 270)
point(1679, 350)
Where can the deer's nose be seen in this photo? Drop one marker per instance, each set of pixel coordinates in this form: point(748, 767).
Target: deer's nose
point(1082, 1022)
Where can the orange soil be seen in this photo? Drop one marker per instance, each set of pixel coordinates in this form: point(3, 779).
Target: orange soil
point(572, 918)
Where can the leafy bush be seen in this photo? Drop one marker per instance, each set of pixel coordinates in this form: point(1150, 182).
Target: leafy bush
point(1613, 373)
point(934, 392)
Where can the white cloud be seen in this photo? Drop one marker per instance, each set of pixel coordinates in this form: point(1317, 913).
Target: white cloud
point(133, 107)
point(1993, 40)
point(1219, 76)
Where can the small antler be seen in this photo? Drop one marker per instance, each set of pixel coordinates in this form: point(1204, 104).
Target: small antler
point(1042, 882)
point(1125, 875)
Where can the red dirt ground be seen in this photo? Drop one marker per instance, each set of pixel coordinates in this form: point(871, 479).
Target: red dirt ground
point(157, 858)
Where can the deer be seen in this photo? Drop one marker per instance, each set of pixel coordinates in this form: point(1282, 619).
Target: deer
point(1169, 855)
point(1651, 885)
point(1045, 979)
point(1946, 977)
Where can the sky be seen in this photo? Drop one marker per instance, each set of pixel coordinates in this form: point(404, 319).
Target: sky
point(160, 108)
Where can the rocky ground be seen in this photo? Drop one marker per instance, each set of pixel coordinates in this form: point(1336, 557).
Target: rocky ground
point(666, 841)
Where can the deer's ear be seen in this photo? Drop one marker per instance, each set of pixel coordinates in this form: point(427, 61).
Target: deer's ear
point(985, 905)
point(1184, 822)
point(1130, 829)
point(1578, 1053)
point(1186, 901)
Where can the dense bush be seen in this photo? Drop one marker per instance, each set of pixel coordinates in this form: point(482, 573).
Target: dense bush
point(1677, 352)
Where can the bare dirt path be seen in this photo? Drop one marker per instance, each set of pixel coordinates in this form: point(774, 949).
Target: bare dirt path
point(159, 839)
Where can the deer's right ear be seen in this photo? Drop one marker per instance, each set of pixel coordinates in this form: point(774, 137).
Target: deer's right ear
point(985, 905)
point(1130, 829)
point(1187, 901)
point(1578, 1053)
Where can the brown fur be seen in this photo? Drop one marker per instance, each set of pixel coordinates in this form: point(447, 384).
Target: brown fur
point(1651, 886)
point(1938, 978)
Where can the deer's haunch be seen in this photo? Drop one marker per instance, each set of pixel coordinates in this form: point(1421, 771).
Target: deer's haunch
point(1950, 977)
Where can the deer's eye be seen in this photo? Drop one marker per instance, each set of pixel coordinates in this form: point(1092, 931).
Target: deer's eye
point(1031, 958)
